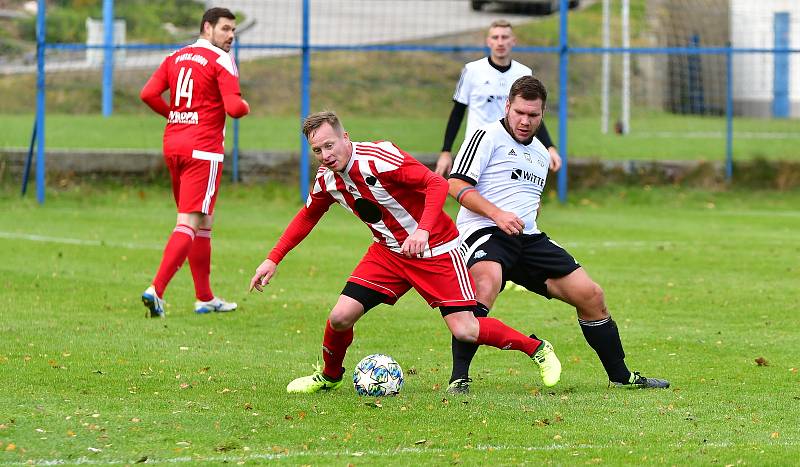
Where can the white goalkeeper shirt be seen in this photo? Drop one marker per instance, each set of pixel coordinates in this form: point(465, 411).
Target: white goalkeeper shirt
point(484, 90)
point(509, 174)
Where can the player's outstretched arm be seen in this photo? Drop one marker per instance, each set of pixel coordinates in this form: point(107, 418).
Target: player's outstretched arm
point(264, 273)
point(468, 196)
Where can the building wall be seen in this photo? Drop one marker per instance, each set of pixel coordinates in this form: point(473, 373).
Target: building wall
point(752, 26)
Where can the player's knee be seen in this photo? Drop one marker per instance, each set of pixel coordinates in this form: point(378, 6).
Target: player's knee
point(592, 304)
point(465, 330)
point(341, 320)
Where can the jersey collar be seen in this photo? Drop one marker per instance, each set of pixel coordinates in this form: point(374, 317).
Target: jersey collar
point(501, 69)
point(206, 44)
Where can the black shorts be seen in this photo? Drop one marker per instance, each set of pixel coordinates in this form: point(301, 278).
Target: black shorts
point(528, 260)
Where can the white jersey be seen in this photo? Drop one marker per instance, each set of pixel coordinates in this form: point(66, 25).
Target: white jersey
point(484, 90)
point(509, 174)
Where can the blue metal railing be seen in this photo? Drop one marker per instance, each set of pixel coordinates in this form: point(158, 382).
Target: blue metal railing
point(563, 50)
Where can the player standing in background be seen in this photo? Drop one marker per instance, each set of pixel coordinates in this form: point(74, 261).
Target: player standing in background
point(498, 179)
point(483, 89)
point(415, 245)
point(204, 85)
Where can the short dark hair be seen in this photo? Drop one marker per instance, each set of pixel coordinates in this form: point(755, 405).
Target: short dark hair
point(528, 88)
point(212, 15)
point(316, 120)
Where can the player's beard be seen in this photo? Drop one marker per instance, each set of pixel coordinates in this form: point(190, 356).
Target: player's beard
point(226, 46)
point(513, 132)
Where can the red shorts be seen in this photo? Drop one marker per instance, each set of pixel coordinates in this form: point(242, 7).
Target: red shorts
point(195, 180)
point(442, 280)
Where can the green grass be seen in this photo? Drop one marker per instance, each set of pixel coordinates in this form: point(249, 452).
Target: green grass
point(655, 137)
point(701, 284)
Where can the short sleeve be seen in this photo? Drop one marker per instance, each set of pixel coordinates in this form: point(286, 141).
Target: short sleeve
point(473, 157)
point(463, 89)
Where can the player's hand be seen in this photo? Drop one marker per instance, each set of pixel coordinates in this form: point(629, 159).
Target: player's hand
point(264, 273)
point(415, 244)
point(555, 159)
point(444, 164)
point(509, 222)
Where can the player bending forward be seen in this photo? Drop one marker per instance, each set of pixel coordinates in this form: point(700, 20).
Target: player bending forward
point(401, 202)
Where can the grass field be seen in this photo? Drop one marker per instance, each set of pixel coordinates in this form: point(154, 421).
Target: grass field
point(656, 137)
point(701, 283)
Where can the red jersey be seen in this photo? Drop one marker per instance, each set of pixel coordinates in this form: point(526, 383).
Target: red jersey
point(390, 191)
point(198, 77)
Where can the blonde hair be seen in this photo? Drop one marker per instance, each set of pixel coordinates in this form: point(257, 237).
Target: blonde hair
point(316, 120)
point(500, 23)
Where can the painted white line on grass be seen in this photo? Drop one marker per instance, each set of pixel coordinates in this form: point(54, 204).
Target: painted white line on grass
point(77, 241)
point(387, 453)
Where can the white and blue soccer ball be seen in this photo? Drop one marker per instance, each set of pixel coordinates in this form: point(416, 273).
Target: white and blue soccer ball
point(378, 375)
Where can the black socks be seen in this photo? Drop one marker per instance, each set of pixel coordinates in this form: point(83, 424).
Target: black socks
point(464, 352)
point(603, 336)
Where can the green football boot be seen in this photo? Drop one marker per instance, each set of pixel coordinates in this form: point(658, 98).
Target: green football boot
point(549, 365)
point(315, 382)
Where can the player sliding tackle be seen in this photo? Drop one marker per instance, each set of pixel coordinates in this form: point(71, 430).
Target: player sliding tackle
point(401, 202)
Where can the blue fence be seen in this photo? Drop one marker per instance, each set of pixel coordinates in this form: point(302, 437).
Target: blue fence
point(781, 51)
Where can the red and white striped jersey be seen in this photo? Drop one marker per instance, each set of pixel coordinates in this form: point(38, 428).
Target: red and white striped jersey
point(390, 191)
point(198, 77)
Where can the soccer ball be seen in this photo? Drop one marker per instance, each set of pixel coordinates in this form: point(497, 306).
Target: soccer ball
point(378, 375)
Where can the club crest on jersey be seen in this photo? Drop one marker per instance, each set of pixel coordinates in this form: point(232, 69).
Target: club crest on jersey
point(541, 160)
point(371, 180)
point(527, 157)
point(479, 254)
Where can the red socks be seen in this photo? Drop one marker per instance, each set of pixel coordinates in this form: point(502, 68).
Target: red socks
point(178, 246)
point(496, 334)
point(334, 348)
point(200, 264)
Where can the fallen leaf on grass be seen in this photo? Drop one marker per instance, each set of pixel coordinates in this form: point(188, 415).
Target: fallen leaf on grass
point(376, 404)
point(420, 441)
point(761, 361)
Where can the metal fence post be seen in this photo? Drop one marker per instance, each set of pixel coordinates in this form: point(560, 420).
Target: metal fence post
point(41, 29)
point(729, 112)
point(108, 57)
point(563, 69)
point(305, 103)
